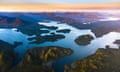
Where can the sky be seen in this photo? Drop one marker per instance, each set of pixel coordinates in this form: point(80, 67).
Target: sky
point(61, 1)
point(35, 5)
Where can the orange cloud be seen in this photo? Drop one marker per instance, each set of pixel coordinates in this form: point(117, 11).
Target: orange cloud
point(35, 7)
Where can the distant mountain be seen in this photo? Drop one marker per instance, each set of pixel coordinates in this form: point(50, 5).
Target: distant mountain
point(76, 19)
point(86, 17)
point(10, 20)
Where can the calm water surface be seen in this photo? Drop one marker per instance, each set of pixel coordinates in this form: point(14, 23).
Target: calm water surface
point(12, 35)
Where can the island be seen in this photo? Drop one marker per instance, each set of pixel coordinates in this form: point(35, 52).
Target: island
point(63, 31)
point(40, 59)
point(84, 39)
point(33, 29)
point(7, 55)
point(104, 60)
point(47, 38)
point(117, 42)
point(40, 33)
point(95, 21)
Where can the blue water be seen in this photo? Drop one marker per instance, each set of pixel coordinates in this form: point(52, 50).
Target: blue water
point(11, 35)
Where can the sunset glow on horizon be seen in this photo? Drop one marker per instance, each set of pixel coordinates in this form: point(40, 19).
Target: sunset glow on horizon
point(37, 7)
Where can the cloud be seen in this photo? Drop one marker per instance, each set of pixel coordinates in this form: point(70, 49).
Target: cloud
point(60, 1)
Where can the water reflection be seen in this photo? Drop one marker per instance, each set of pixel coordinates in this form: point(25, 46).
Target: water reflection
point(49, 37)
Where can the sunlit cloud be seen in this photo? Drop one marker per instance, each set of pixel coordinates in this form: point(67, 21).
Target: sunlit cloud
point(60, 1)
point(58, 7)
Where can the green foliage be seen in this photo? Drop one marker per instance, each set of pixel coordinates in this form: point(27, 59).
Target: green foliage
point(37, 59)
point(104, 60)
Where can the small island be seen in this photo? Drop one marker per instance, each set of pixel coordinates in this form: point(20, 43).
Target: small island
point(84, 39)
point(40, 59)
point(117, 42)
point(49, 53)
point(104, 60)
point(47, 38)
point(63, 31)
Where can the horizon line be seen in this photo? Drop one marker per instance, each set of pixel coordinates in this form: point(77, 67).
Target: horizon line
point(85, 10)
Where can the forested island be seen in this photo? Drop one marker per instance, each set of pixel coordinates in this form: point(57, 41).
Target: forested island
point(36, 59)
point(84, 39)
point(104, 60)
